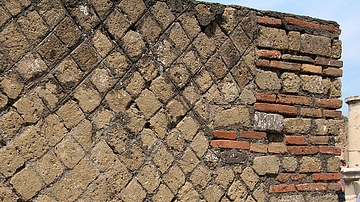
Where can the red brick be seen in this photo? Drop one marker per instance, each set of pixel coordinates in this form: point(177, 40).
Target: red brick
point(328, 103)
point(331, 29)
point(326, 176)
point(328, 62)
point(283, 177)
point(282, 188)
point(225, 134)
point(265, 20)
point(303, 150)
point(264, 97)
point(319, 140)
point(254, 135)
point(310, 112)
point(311, 69)
point(312, 187)
point(274, 54)
point(258, 147)
point(295, 21)
point(331, 71)
point(277, 148)
point(285, 65)
point(293, 99)
point(232, 144)
point(330, 150)
point(262, 63)
point(332, 114)
point(295, 140)
point(276, 108)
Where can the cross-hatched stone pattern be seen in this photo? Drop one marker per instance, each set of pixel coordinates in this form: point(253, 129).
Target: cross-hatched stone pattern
point(103, 99)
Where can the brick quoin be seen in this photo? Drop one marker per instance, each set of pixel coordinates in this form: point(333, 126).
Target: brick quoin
point(303, 150)
point(332, 114)
point(225, 134)
point(285, 65)
point(230, 144)
point(312, 187)
point(296, 21)
point(276, 108)
point(293, 99)
point(253, 135)
point(311, 112)
point(281, 188)
point(311, 69)
point(264, 97)
point(330, 150)
point(273, 54)
point(263, 63)
point(295, 140)
point(328, 62)
point(284, 177)
point(331, 71)
point(328, 103)
point(265, 20)
point(326, 176)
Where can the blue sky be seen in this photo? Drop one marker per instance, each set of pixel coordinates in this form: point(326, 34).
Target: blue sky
point(346, 13)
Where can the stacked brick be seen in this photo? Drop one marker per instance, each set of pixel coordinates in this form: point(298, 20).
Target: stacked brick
point(171, 100)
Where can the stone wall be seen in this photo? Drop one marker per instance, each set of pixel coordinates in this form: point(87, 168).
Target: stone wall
point(170, 100)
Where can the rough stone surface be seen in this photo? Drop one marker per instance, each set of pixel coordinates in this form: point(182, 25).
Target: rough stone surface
point(27, 183)
point(297, 125)
point(290, 82)
point(267, 80)
point(315, 45)
point(266, 165)
point(273, 38)
point(310, 164)
point(124, 100)
point(268, 122)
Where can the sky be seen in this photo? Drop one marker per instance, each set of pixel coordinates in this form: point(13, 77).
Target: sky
point(345, 12)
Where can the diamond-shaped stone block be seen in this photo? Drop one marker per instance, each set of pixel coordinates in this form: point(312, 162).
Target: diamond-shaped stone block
point(30, 107)
point(30, 144)
point(88, 98)
point(102, 155)
point(49, 167)
point(163, 159)
point(69, 152)
point(33, 26)
point(27, 183)
point(174, 179)
point(53, 129)
point(132, 8)
point(133, 192)
point(68, 32)
point(149, 178)
point(70, 113)
point(10, 159)
point(30, 66)
point(147, 103)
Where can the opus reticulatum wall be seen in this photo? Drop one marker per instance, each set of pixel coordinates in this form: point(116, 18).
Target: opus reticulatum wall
point(144, 100)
